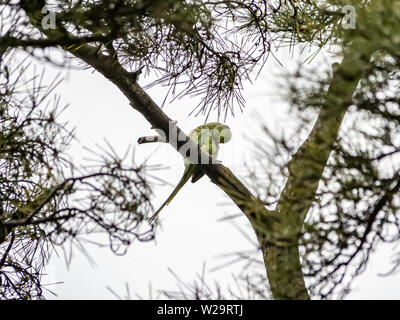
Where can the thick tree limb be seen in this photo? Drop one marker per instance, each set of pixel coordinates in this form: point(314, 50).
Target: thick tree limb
point(7, 42)
point(305, 172)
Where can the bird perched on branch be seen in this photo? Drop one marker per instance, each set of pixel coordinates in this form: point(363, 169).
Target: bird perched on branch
point(208, 136)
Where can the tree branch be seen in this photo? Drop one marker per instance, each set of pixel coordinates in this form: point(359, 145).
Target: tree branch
point(305, 172)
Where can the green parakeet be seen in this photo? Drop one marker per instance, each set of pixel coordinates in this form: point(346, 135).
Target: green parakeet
point(208, 136)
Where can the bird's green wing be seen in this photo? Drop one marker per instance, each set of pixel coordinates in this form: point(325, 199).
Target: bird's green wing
point(203, 136)
point(186, 176)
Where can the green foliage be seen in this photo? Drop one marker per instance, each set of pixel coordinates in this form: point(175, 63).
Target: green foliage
point(356, 205)
point(45, 200)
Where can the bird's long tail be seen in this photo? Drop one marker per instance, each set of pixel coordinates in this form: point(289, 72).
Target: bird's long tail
point(186, 176)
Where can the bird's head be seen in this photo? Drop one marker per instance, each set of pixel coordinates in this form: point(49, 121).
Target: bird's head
point(219, 132)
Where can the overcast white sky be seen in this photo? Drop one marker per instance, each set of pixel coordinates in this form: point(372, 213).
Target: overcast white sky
point(190, 233)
